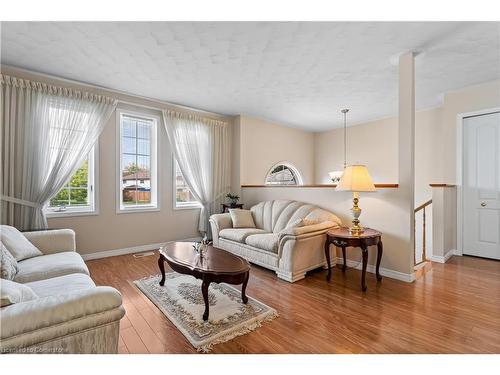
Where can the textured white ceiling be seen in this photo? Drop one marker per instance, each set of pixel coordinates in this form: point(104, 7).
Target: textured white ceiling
point(296, 73)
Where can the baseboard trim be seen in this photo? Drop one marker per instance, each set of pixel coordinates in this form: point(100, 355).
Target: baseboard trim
point(130, 250)
point(406, 277)
point(444, 259)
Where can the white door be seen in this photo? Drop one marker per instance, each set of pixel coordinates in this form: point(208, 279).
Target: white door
point(481, 186)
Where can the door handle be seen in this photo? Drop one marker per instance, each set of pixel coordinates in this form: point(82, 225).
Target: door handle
point(483, 204)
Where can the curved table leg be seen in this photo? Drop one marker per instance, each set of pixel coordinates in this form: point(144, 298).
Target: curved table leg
point(204, 290)
point(162, 269)
point(380, 250)
point(244, 297)
point(327, 256)
point(364, 250)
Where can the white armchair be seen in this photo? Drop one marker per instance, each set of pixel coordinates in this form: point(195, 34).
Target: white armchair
point(70, 314)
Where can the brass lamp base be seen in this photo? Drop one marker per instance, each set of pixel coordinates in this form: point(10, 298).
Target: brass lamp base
point(355, 229)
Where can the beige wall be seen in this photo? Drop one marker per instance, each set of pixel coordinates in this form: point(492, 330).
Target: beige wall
point(375, 143)
point(444, 228)
point(109, 230)
point(264, 143)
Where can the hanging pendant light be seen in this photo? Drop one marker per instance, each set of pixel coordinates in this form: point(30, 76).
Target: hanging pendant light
point(336, 175)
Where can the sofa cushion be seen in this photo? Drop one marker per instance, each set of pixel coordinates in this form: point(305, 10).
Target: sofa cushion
point(241, 218)
point(17, 244)
point(8, 264)
point(239, 234)
point(12, 292)
point(265, 241)
point(52, 265)
point(61, 285)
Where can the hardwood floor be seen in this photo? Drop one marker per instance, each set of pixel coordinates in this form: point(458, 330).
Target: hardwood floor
point(454, 308)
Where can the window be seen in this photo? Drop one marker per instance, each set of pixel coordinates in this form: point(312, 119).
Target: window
point(283, 174)
point(137, 152)
point(184, 198)
point(78, 195)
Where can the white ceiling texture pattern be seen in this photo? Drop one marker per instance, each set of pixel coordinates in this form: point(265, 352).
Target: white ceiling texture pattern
point(297, 73)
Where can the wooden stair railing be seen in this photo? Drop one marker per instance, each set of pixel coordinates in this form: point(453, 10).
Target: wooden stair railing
point(416, 211)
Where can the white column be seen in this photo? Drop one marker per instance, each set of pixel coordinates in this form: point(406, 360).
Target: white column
point(407, 143)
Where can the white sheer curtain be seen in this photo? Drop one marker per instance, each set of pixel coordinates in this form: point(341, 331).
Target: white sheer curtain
point(202, 149)
point(47, 132)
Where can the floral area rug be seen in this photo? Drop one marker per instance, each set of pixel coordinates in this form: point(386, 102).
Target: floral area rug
point(181, 300)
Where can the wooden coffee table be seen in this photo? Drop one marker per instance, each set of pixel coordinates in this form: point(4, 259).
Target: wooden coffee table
point(216, 266)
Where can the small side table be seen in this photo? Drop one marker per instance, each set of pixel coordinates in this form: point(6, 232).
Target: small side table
point(341, 237)
point(227, 206)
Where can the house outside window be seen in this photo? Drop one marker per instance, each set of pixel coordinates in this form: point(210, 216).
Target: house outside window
point(283, 173)
point(183, 197)
point(137, 182)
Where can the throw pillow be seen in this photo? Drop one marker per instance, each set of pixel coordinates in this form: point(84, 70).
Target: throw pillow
point(12, 292)
point(17, 244)
point(241, 218)
point(8, 265)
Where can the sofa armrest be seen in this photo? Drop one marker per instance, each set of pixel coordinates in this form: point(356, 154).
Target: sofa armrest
point(219, 222)
point(298, 231)
point(53, 241)
point(45, 318)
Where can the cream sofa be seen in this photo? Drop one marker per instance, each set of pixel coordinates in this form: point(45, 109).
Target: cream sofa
point(277, 242)
point(70, 314)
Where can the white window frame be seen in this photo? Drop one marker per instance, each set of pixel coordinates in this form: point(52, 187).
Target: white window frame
point(289, 165)
point(93, 192)
point(154, 205)
point(180, 205)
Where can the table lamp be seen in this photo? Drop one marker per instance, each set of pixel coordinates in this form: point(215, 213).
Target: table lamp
point(356, 179)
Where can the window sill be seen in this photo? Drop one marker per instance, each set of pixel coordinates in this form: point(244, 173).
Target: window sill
point(131, 210)
point(187, 207)
point(56, 214)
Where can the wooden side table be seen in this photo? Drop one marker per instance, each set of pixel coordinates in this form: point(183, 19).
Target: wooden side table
point(226, 206)
point(341, 237)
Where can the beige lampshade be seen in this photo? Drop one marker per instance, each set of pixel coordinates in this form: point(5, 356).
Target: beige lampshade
point(356, 178)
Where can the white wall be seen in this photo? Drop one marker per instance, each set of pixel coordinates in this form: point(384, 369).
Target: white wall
point(263, 144)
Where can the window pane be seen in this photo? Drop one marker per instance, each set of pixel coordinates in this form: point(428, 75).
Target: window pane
point(129, 163)
point(61, 199)
point(143, 146)
point(282, 175)
point(143, 130)
point(76, 191)
point(183, 194)
point(81, 176)
point(128, 195)
point(129, 145)
point(143, 162)
point(78, 196)
point(128, 127)
point(136, 162)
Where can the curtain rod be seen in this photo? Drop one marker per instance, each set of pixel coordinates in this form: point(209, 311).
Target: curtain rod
point(159, 102)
